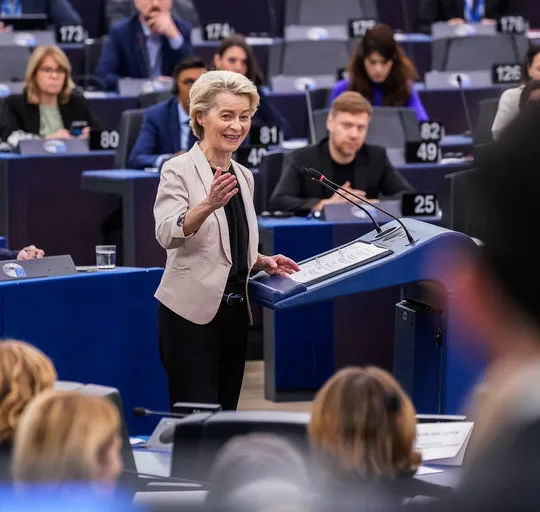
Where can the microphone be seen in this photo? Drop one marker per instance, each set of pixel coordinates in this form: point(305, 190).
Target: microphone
point(312, 173)
point(459, 80)
point(141, 412)
point(309, 106)
point(321, 178)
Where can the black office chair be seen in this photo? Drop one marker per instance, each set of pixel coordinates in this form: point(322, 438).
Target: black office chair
point(130, 126)
point(487, 110)
point(390, 127)
point(92, 53)
point(477, 53)
point(270, 170)
point(14, 63)
point(199, 437)
point(149, 99)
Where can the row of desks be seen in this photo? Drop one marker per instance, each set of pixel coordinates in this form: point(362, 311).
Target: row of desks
point(443, 105)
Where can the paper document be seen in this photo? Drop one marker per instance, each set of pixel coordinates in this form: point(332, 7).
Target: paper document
point(336, 261)
point(427, 470)
point(444, 443)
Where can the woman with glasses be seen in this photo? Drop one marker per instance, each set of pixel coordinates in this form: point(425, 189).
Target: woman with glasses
point(48, 106)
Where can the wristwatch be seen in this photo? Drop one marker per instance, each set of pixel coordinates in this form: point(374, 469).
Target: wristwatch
point(180, 221)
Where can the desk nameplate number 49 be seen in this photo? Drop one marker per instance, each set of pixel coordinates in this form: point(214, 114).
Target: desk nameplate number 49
point(104, 140)
point(70, 34)
point(422, 152)
point(419, 205)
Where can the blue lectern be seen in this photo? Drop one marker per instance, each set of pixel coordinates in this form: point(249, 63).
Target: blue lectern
point(430, 358)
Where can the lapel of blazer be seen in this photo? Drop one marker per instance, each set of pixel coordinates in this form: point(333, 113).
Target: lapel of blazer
point(205, 172)
point(251, 216)
point(175, 130)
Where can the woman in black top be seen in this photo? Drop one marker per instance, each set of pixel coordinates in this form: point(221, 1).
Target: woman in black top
point(48, 107)
point(234, 54)
point(24, 373)
point(362, 431)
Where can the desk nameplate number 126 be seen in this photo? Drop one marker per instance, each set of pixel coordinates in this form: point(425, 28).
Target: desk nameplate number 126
point(104, 140)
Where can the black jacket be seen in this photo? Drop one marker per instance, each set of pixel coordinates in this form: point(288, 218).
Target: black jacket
point(5, 463)
point(373, 173)
point(432, 11)
point(7, 254)
point(18, 114)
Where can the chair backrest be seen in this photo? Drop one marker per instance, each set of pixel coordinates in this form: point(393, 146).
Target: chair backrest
point(128, 131)
point(270, 170)
point(149, 99)
point(320, 98)
point(325, 12)
point(477, 52)
point(390, 127)
point(14, 63)
point(304, 58)
point(92, 53)
point(487, 110)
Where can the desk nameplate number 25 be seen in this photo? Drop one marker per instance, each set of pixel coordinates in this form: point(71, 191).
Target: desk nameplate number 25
point(104, 140)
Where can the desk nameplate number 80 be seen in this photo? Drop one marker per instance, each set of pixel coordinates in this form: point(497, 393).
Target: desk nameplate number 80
point(104, 140)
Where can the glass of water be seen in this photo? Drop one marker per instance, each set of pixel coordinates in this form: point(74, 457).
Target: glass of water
point(106, 257)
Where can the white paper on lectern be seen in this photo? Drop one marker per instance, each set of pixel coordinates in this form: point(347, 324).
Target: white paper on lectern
point(444, 443)
point(427, 470)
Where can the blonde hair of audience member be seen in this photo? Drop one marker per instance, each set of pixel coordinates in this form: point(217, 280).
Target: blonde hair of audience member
point(204, 91)
point(24, 373)
point(351, 102)
point(32, 89)
point(363, 424)
point(67, 436)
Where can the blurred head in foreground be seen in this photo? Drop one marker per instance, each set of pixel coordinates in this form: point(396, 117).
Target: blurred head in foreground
point(24, 373)
point(67, 437)
point(363, 425)
point(258, 471)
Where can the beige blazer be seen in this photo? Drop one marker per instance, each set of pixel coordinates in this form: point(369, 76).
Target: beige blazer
point(507, 111)
point(198, 265)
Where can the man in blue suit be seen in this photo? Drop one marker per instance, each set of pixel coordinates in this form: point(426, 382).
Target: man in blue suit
point(165, 131)
point(59, 12)
point(147, 45)
point(27, 253)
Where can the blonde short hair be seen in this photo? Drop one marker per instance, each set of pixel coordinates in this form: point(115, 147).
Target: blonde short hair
point(204, 91)
point(62, 436)
point(36, 59)
point(25, 372)
point(364, 424)
point(351, 102)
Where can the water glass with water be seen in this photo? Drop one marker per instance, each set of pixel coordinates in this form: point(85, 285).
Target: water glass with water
point(106, 257)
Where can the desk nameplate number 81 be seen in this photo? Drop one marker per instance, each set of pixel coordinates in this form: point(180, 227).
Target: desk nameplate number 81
point(104, 140)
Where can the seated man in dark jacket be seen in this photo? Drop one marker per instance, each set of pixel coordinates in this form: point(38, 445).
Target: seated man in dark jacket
point(28, 253)
point(344, 158)
point(166, 131)
point(147, 45)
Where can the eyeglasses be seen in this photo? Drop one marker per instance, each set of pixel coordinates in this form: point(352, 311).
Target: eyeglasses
point(49, 71)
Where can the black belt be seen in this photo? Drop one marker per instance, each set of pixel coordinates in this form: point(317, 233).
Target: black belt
point(232, 299)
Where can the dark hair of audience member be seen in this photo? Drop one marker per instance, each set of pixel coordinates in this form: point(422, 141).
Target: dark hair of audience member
point(532, 52)
point(252, 459)
point(25, 372)
point(530, 95)
point(397, 87)
point(254, 72)
point(363, 426)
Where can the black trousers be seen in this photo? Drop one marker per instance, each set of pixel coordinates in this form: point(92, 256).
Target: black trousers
point(204, 363)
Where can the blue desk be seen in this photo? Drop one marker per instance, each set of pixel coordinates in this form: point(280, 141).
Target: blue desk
point(41, 202)
point(98, 327)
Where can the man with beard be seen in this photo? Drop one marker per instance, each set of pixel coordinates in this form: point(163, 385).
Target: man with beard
point(147, 45)
point(344, 158)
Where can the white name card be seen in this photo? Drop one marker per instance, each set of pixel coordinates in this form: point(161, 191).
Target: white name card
point(443, 443)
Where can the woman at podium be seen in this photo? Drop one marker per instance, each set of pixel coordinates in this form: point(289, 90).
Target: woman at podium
point(206, 221)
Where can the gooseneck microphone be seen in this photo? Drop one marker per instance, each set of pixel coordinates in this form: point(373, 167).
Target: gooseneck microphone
point(141, 412)
point(311, 173)
point(459, 80)
point(321, 178)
